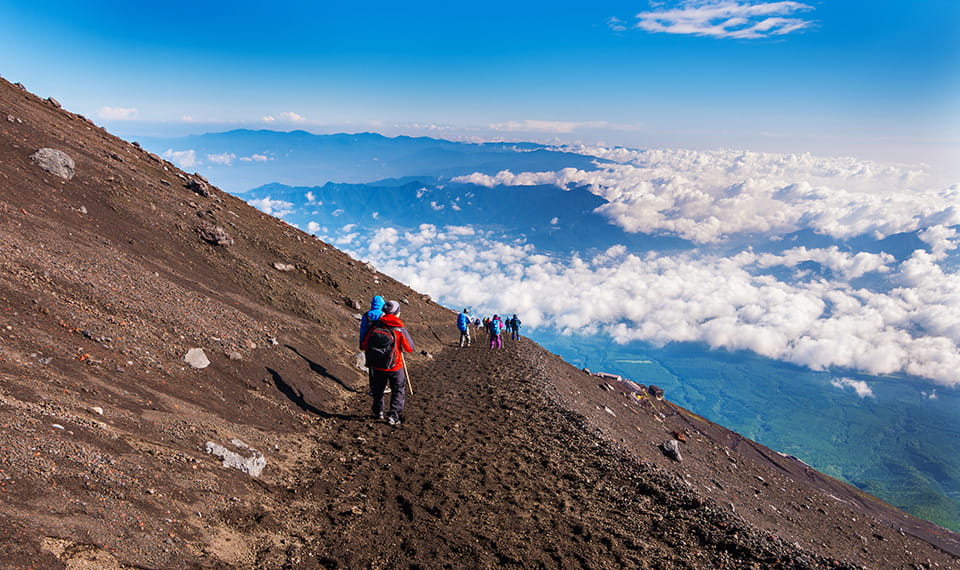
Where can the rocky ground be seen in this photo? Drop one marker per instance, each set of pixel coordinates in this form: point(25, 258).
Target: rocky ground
point(117, 453)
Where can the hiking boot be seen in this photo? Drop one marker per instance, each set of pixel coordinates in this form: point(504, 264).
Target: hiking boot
point(377, 416)
point(393, 420)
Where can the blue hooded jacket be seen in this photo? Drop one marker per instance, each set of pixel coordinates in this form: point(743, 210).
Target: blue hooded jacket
point(462, 321)
point(374, 314)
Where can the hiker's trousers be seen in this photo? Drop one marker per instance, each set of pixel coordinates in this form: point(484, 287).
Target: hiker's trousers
point(464, 338)
point(398, 388)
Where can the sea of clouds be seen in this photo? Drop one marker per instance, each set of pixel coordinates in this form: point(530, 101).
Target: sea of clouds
point(730, 298)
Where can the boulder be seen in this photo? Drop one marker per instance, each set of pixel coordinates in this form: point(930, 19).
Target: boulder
point(215, 235)
point(671, 449)
point(199, 187)
point(55, 162)
point(197, 358)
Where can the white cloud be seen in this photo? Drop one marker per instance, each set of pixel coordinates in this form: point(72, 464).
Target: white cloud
point(276, 208)
point(859, 386)
point(616, 25)
point(727, 19)
point(225, 158)
point(737, 299)
point(255, 158)
point(696, 297)
point(117, 113)
point(291, 117)
point(182, 158)
point(269, 119)
point(941, 239)
point(707, 196)
point(848, 266)
point(556, 127)
point(314, 228)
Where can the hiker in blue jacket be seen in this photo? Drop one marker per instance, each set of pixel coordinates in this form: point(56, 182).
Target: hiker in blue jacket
point(463, 323)
point(374, 314)
point(513, 324)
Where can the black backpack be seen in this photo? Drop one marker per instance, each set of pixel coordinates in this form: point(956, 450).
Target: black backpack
point(381, 350)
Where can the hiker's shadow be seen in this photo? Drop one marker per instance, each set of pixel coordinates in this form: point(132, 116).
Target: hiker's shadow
point(296, 396)
point(317, 368)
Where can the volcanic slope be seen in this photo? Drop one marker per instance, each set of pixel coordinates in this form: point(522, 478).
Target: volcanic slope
point(116, 453)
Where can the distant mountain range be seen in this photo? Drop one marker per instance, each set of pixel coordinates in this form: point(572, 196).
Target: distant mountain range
point(243, 159)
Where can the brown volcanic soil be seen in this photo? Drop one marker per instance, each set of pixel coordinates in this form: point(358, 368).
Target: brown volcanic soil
point(507, 458)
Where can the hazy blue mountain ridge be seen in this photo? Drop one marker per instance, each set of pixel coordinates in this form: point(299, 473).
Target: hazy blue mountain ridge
point(242, 159)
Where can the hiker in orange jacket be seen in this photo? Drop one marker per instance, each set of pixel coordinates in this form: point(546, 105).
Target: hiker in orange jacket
point(386, 341)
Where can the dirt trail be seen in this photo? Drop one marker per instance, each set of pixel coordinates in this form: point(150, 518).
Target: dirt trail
point(487, 471)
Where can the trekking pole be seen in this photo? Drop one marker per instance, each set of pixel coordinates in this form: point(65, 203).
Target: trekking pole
point(407, 376)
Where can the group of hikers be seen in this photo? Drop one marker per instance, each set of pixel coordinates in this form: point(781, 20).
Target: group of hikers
point(494, 326)
point(384, 339)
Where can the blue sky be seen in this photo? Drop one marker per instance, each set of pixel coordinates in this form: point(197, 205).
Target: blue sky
point(877, 79)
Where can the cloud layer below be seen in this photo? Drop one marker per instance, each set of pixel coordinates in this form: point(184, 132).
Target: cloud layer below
point(707, 196)
point(770, 303)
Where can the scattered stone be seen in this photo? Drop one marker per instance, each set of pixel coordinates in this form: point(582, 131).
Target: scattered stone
point(57, 426)
point(251, 465)
point(197, 358)
point(82, 210)
point(215, 235)
point(671, 449)
point(234, 356)
point(54, 102)
point(609, 411)
point(273, 341)
point(353, 304)
point(250, 344)
point(655, 391)
point(283, 266)
point(199, 187)
point(370, 267)
point(55, 162)
point(608, 376)
point(360, 361)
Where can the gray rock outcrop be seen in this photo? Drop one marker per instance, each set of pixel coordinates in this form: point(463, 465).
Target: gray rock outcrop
point(55, 162)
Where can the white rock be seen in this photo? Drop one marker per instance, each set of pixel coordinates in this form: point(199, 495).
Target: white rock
point(197, 358)
point(252, 465)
